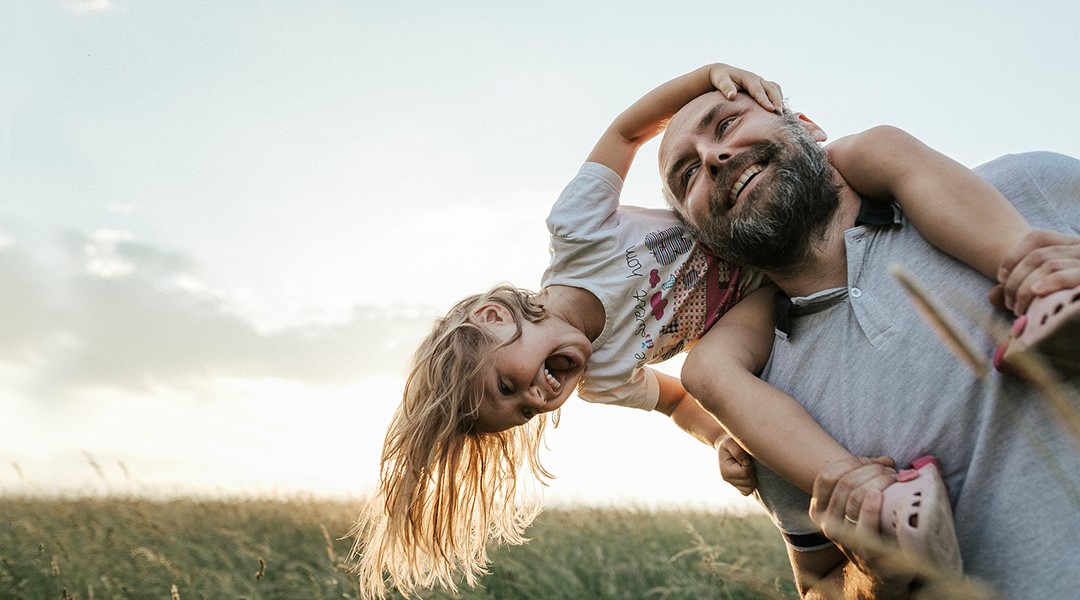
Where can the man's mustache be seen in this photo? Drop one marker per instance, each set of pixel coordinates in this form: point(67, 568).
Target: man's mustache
point(761, 152)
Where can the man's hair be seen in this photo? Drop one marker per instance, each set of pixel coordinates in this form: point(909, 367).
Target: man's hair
point(445, 489)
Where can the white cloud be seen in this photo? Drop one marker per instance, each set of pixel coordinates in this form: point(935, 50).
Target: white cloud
point(28, 316)
point(100, 257)
point(135, 317)
point(190, 283)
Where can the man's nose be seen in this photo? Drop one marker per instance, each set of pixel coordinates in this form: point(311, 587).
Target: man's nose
point(715, 160)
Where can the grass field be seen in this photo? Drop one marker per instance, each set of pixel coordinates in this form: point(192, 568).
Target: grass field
point(105, 548)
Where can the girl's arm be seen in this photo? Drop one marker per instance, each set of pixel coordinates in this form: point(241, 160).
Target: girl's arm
point(646, 118)
point(691, 417)
point(1043, 263)
point(616, 148)
point(721, 373)
point(951, 206)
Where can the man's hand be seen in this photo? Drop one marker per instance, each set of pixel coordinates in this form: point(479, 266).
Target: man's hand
point(735, 465)
point(1042, 263)
point(846, 505)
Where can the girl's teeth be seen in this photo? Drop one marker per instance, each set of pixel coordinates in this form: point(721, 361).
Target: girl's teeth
point(554, 383)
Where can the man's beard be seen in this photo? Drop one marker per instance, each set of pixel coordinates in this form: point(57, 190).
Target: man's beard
point(776, 224)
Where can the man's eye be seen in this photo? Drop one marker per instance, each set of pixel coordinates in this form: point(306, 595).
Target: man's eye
point(504, 389)
point(723, 127)
point(688, 174)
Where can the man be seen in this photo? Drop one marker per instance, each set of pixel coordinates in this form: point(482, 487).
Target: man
point(854, 351)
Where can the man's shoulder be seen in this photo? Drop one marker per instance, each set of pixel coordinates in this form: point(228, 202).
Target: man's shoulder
point(1044, 187)
point(1035, 165)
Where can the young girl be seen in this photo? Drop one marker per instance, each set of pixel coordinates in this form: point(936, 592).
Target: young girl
point(626, 287)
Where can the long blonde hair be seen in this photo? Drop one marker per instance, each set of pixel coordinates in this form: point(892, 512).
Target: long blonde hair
point(444, 489)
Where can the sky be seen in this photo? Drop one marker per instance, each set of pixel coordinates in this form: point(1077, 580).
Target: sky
point(225, 226)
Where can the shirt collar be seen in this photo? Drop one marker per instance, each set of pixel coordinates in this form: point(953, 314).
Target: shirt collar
point(878, 213)
point(870, 213)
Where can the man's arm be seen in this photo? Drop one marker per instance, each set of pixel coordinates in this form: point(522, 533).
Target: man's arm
point(828, 575)
point(818, 573)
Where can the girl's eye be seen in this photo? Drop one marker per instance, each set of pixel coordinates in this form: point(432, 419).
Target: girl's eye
point(527, 413)
point(504, 389)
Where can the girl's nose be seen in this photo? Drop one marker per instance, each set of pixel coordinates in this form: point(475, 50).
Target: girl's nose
point(535, 398)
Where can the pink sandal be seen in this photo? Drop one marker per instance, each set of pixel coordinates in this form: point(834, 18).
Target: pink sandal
point(1051, 328)
point(916, 511)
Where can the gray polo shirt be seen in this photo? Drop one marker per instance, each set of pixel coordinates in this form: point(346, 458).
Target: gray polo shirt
point(872, 372)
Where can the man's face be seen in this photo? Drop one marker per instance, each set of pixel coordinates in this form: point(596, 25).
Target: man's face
point(754, 186)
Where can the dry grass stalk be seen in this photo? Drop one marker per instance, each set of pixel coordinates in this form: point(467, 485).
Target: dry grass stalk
point(1062, 401)
point(953, 337)
point(330, 552)
point(1029, 365)
point(935, 582)
point(750, 578)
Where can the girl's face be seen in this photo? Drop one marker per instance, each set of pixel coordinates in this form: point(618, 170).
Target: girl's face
point(534, 374)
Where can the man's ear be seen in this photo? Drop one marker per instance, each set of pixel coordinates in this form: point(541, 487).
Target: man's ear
point(492, 313)
point(812, 127)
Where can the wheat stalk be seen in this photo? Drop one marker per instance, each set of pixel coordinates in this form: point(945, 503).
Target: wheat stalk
point(953, 337)
point(1028, 365)
point(1034, 369)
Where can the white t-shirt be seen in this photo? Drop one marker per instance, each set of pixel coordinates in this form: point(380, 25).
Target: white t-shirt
point(660, 291)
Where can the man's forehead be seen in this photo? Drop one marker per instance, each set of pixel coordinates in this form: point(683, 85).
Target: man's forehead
point(697, 106)
point(690, 118)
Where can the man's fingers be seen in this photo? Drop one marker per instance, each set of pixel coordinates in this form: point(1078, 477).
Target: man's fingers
point(826, 482)
point(861, 482)
point(869, 521)
point(997, 296)
point(841, 488)
point(885, 461)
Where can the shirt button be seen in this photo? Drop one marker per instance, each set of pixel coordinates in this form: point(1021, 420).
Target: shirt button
point(856, 292)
